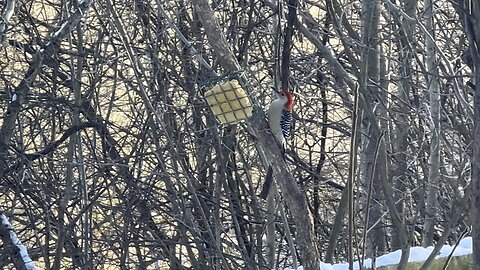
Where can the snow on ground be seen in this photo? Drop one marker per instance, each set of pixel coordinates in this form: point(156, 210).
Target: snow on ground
point(417, 254)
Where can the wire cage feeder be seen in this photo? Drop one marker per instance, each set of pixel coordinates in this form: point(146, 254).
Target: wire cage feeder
point(228, 98)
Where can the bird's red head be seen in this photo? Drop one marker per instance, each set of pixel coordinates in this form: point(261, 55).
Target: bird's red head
point(289, 95)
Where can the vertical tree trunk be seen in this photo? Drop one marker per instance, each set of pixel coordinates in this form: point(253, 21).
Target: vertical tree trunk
point(476, 171)
point(400, 133)
point(370, 77)
point(434, 159)
point(469, 13)
point(472, 29)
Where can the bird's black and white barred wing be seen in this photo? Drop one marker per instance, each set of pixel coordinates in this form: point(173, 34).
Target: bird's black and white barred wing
point(286, 122)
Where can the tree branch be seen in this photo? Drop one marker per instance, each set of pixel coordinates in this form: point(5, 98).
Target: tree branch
point(287, 42)
point(49, 148)
point(13, 246)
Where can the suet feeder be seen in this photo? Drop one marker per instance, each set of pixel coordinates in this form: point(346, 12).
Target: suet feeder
point(228, 99)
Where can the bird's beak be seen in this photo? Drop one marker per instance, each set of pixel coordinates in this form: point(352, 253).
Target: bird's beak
point(275, 90)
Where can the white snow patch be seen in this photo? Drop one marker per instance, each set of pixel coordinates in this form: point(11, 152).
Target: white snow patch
point(417, 254)
point(29, 264)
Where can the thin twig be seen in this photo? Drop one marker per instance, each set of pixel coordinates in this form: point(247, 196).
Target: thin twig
point(351, 177)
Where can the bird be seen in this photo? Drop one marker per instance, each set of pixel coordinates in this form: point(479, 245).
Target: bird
point(280, 116)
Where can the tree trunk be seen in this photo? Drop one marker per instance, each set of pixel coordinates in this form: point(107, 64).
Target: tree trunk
point(370, 77)
point(475, 214)
point(433, 180)
point(473, 31)
point(400, 133)
point(469, 13)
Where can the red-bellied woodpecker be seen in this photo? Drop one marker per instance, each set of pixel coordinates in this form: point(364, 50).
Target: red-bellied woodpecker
point(280, 116)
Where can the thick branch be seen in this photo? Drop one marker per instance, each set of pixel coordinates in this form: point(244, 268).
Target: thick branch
point(14, 247)
point(287, 42)
point(50, 147)
point(294, 197)
point(6, 16)
point(53, 145)
point(215, 36)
